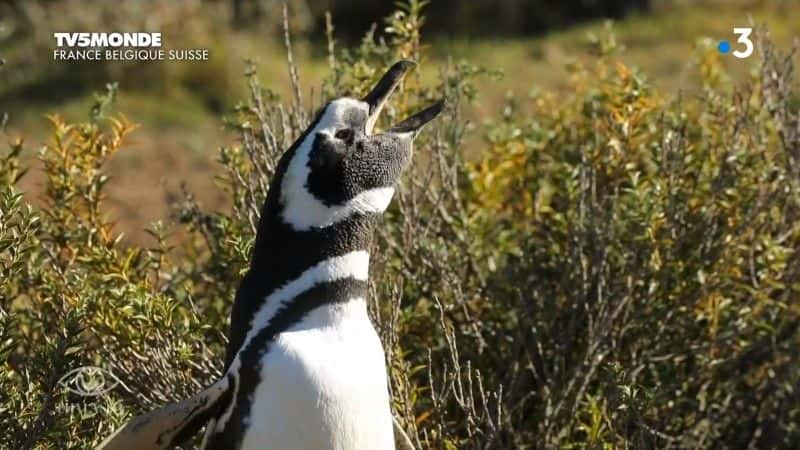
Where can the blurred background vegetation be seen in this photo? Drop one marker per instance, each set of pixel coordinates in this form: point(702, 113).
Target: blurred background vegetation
point(597, 247)
point(179, 104)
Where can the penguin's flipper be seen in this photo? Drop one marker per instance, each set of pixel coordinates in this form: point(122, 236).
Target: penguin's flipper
point(168, 425)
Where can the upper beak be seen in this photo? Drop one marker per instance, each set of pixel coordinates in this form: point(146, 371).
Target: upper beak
point(379, 95)
point(377, 98)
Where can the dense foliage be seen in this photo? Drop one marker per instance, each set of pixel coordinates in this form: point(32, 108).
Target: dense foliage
point(618, 269)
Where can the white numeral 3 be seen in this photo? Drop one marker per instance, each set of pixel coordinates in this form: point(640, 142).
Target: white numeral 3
point(744, 38)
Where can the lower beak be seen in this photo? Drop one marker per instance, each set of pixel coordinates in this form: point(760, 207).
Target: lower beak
point(415, 122)
point(379, 95)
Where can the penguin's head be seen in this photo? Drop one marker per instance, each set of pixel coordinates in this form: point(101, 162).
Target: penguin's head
point(340, 167)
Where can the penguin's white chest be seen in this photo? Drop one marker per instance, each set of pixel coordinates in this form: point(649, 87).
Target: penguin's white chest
point(323, 386)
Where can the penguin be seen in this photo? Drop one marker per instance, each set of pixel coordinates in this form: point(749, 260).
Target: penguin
point(304, 367)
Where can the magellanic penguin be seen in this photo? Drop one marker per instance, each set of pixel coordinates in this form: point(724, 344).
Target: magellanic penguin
point(305, 368)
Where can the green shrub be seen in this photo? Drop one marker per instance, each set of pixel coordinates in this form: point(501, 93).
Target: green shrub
point(616, 270)
point(648, 252)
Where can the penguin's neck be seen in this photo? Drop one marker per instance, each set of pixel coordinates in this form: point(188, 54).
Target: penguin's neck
point(283, 254)
point(293, 273)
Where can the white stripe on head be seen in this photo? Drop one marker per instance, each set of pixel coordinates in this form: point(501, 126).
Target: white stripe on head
point(301, 209)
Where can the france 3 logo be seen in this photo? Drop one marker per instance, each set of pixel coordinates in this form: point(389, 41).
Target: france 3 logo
point(746, 48)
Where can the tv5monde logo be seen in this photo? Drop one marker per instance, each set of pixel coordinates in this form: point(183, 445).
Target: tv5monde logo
point(746, 46)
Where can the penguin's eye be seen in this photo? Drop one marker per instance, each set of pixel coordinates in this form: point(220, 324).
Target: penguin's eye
point(345, 134)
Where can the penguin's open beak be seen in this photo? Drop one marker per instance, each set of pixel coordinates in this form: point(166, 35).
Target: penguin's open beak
point(379, 95)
